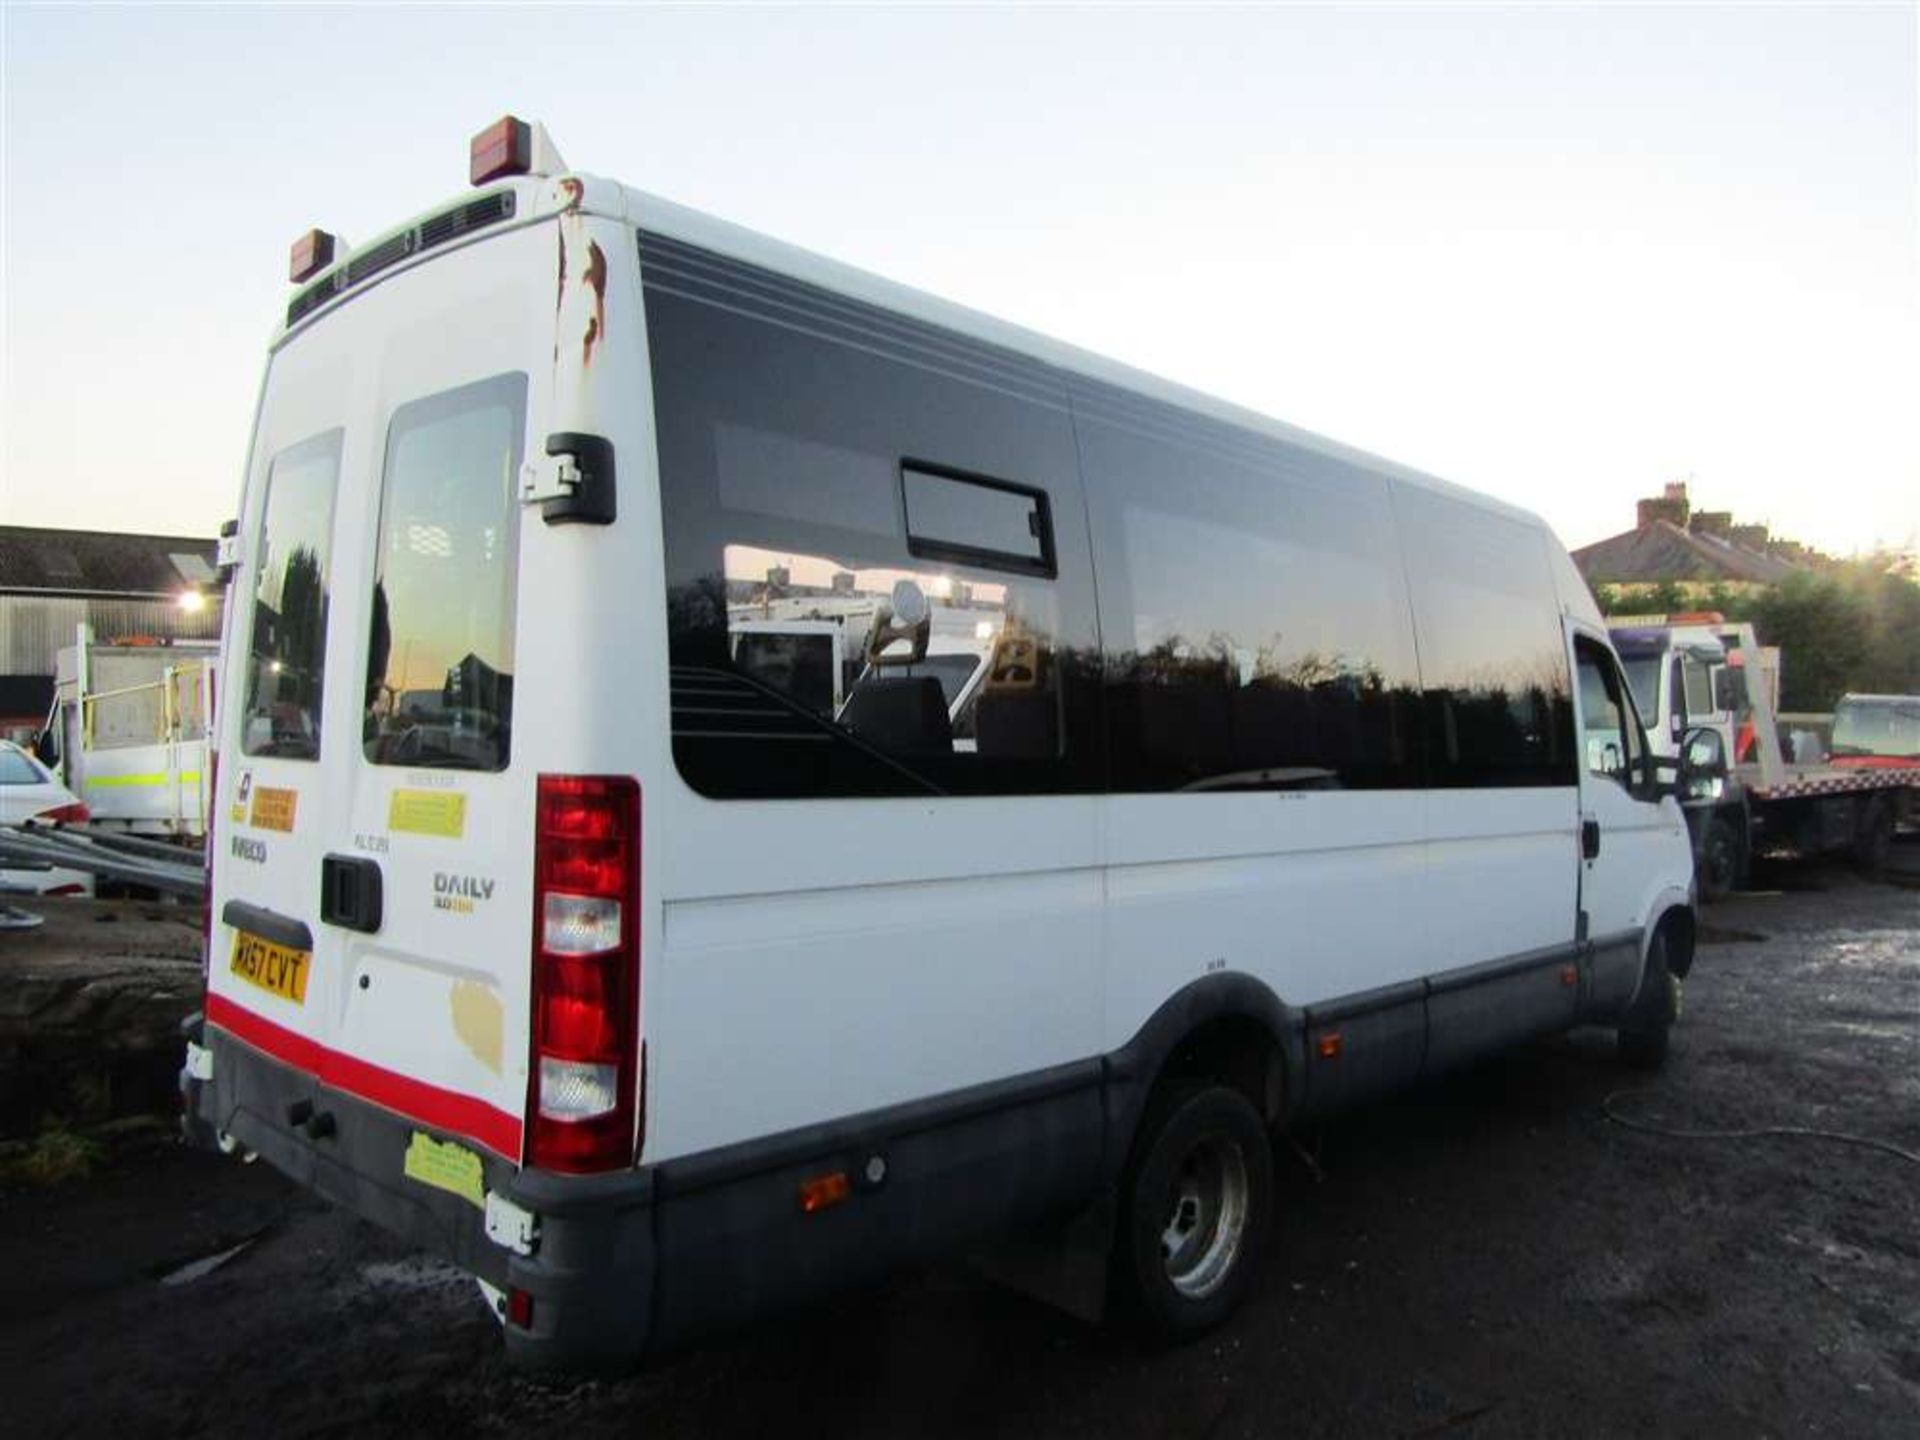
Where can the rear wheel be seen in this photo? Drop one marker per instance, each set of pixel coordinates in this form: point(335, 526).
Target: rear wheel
point(1196, 1208)
point(1874, 838)
point(1644, 1034)
point(1718, 866)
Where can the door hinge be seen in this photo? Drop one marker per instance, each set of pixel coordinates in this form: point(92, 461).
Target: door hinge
point(511, 1227)
point(574, 484)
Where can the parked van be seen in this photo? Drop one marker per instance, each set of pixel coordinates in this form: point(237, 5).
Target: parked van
point(552, 938)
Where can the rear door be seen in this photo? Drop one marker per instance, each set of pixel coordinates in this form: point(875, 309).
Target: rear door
point(268, 981)
point(372, 888)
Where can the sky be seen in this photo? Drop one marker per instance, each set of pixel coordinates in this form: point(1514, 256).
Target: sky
point(1560, 254)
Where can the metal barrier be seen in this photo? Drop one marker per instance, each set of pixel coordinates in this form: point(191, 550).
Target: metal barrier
point(169, 869)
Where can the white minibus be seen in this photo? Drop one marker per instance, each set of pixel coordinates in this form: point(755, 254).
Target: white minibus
point(660, 996)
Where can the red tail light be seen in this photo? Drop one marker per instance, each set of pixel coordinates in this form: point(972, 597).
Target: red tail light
point(74, 814)
point(586, 973)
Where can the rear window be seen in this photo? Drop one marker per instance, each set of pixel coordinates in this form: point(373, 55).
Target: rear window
point(16, 769)
point(440, 658)
point(288, 648)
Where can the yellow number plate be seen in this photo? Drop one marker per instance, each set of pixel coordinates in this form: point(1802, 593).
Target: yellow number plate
point(278, 969)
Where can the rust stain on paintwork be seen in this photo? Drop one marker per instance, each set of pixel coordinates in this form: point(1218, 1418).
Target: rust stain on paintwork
point(559, 295)
point(574, 191)
point(479, 1021)
point(597, 278)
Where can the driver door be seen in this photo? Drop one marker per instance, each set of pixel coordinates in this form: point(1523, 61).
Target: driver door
point(1624, 841)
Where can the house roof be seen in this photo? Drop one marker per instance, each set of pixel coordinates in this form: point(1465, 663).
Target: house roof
point(1664, 551)
point(94, 562)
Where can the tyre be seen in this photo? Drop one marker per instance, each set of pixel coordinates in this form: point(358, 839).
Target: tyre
point(1874, 839)
point(1196, 1206)
point(1643, 1035)
point(1717, 867)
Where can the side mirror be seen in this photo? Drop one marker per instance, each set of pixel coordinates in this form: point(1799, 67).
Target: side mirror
point(1705, 752)
point(1703, 765)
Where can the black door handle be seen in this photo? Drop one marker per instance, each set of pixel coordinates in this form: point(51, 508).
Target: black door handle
point(350, 892)
point(1589, 839)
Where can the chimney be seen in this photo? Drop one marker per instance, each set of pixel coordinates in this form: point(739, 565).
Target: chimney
point(1717, 523)
point(1671, 506)
point(1753, 537)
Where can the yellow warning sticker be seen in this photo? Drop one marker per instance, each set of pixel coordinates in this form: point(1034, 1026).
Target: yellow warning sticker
point(273, 809)
point(445, 1166)
point(428, 812)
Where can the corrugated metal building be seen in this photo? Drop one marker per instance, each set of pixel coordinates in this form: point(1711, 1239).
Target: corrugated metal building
point(126, 587)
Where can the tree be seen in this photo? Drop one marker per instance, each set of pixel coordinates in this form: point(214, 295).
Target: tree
point(1854, 628)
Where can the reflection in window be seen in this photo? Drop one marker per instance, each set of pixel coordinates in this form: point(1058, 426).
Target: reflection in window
point(920, 665)
point(287, 648)
point(1611, 732)
point(852, 608)
point(1257, 635)
point(1492, 651)
point(440, 659)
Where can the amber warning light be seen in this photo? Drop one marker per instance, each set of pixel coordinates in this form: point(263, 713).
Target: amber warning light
point(503, 148)
point(312, 253)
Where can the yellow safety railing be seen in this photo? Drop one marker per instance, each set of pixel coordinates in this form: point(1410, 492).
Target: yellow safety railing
point(174, 719)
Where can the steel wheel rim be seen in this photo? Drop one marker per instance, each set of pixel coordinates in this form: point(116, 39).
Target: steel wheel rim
point(1206, 1218)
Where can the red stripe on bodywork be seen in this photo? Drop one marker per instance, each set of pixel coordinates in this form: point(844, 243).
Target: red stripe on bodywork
point(408, 1098)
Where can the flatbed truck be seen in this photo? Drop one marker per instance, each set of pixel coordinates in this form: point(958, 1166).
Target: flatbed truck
point(1696, 675)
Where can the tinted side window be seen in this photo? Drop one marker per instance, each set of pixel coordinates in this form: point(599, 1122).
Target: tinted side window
point(440, 658)
point(288, 646)
point(1254, 609)
point(1492, 654)
point(828, 467)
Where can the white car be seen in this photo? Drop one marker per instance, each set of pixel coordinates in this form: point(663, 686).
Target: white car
point(29, 795)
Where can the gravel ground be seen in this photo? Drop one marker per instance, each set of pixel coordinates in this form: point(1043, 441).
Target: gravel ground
point(1489, 1256)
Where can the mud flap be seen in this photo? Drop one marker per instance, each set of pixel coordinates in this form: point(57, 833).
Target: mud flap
point(1063, 1265)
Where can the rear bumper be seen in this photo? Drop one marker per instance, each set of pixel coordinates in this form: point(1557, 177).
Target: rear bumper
point(591, 1273)
point(632, 1264)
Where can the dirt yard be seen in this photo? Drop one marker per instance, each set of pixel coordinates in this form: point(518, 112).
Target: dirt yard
point(1491, 1256)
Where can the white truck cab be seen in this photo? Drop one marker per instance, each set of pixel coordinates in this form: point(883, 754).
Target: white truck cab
point(563, 928)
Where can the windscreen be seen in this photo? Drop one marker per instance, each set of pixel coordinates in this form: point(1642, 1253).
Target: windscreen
point(1877, 727)
point(1643, 678)
point(440, 657)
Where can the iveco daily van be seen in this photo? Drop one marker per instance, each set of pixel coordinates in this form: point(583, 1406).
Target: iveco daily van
point(660, 990)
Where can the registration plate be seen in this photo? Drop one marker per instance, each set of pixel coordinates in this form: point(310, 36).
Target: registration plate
point(278, 969)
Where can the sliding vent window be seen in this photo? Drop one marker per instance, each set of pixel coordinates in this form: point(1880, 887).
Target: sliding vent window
point(288, 649)
point(976, 521)
point(440, 660)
